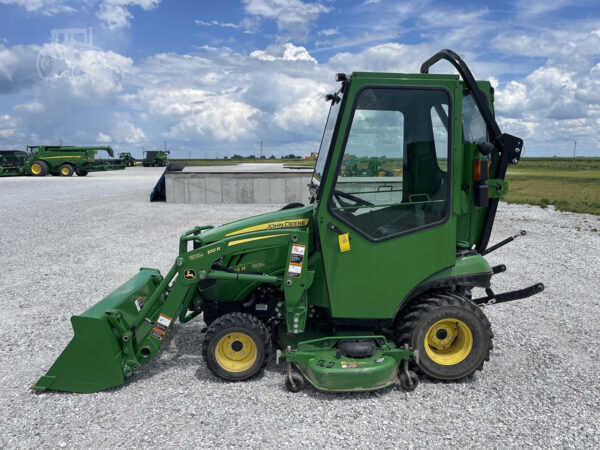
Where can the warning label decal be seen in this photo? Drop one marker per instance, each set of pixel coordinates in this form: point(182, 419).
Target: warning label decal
point(160, 327)
point(294, 270)
point(139, 303)
point(350, 365)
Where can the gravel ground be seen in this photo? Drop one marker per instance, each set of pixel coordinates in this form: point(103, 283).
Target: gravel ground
point(67, 242)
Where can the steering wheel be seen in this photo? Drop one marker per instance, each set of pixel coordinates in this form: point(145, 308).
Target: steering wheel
point(358, 201)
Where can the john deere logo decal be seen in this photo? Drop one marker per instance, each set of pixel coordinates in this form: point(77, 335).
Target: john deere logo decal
point(189, 274)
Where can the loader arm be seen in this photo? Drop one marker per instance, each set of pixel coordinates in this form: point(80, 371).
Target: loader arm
point(124, 331)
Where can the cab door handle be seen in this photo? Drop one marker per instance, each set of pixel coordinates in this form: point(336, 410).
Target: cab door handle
point(335, 229)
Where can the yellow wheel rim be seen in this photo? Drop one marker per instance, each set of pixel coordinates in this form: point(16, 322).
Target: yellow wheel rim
point(448, 341)
point(65, 171)
point(236, 352)
point(36, 169)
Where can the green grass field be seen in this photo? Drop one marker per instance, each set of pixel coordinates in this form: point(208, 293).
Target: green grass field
point(570, 184)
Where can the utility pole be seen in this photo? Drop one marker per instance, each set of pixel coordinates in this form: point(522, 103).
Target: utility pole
point(574, 148)
point(261, 148)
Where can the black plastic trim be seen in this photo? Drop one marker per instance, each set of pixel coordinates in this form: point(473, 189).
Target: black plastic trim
point(330, 150)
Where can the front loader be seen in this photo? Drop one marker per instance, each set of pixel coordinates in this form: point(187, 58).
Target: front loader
point(368, 285)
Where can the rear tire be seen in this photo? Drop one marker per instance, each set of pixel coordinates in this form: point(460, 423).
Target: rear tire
point(452, 335)
point(81, 172)
point(38, 169)
point(66, 170)
point(236, 346)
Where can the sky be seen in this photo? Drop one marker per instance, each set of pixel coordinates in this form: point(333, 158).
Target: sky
point(214, 78)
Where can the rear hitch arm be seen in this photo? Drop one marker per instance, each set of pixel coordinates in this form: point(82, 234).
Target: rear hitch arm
point(491, 298)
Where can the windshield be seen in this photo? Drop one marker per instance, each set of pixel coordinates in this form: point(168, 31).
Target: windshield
point(326, 140)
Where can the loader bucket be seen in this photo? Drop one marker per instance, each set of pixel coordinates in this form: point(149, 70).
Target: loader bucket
point(93, 360)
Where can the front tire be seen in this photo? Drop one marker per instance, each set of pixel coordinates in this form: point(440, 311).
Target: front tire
point(236, 346)
point(452, 335)
point(38, 168)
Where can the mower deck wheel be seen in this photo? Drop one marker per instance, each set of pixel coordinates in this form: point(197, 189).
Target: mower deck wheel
point(294, 382)
point(409, 382)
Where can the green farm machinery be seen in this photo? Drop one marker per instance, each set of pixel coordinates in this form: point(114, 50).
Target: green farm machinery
point(64, 161)
point(12, 162)
point(155, 158)
point(127, 159)
point(369, 285)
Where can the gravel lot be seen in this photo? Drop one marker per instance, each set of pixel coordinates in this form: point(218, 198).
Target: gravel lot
point(68, 242)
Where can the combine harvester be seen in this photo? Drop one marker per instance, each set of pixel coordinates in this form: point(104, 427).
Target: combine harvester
point(359, 287)
point(64, 161)
point(155, 158)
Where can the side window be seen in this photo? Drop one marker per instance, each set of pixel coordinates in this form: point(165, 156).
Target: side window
point(474, 128)
point(439, 122)
point(394, 172)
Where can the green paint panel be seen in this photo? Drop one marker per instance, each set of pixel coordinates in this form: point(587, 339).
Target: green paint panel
point(93, 360)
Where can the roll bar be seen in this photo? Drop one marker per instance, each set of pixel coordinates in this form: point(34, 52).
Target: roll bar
point(509, 146)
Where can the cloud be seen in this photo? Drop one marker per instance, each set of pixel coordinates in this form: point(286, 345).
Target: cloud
point(285, 52)
point(8, 126)
point(34, 107)
point(223, 118)
point(389, 57)
point(116, 13)
point(529, 8)
point(328, 32)
point(47, 7)
point(216, 23)
point(104, 138)
point(17, 68)
point(293, 17)
point(120, 129)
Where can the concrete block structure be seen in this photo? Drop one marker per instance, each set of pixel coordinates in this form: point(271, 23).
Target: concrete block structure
point(243, 183)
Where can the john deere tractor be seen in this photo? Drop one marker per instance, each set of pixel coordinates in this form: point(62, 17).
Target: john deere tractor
point(369, 285)
point(127, 159)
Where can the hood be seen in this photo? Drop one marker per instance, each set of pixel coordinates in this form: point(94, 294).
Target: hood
point(276, 220)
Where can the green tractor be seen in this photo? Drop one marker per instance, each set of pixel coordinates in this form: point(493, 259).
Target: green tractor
point(64, 161)
point(155, 158)
point(12, 162)
point(358, 290)
point(127, 159)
